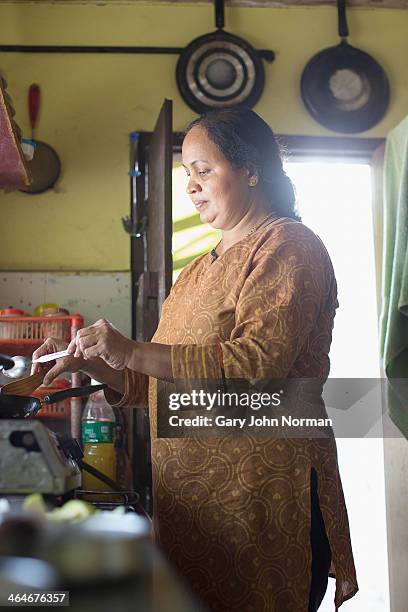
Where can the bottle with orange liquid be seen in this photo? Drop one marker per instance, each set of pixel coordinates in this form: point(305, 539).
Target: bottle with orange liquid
point(98, 438)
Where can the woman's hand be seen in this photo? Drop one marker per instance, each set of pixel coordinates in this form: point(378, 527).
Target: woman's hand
point(102, 340)
point(64, 364)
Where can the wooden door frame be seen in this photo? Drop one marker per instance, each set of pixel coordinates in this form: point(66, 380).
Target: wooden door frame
point(353, 149)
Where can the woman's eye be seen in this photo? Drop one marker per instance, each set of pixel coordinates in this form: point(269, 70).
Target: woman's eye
point(203, 172)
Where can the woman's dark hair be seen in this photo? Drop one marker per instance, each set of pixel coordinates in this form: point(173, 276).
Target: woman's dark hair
point(247, 141)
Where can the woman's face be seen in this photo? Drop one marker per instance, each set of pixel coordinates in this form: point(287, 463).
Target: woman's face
point(219, 191)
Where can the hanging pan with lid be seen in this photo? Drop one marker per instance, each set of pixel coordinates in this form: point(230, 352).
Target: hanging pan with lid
point(344, 88)
point(220, 69)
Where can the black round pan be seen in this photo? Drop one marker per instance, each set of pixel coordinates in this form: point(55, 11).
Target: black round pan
point(344, 88)
point(219, 69)
point(45, 166)
point(21, 406)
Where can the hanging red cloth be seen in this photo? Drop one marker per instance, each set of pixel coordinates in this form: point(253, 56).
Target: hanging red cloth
point(14, 173)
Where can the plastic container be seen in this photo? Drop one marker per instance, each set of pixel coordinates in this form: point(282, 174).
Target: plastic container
point(39, 310)
point(7, 324)
point(98, 439)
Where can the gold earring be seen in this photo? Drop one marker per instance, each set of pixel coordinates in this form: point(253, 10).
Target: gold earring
point(253, 181)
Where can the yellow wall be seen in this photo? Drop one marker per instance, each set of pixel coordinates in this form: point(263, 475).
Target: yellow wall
point(92, 102)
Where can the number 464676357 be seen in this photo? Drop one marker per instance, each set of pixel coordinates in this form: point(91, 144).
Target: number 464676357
point(44, 597)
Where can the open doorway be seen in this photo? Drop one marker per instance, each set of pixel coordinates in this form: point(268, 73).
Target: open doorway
point(335, 201)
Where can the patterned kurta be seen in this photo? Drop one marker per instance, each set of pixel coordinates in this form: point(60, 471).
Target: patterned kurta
point(234, 513)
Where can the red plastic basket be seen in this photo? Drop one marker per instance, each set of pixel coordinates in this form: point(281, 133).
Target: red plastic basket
point(22, 335)
point(29, 330)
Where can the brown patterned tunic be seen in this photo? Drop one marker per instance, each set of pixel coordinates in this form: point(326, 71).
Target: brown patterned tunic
point(234, 513)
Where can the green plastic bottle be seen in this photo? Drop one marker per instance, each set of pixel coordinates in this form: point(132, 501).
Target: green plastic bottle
point(98, 439)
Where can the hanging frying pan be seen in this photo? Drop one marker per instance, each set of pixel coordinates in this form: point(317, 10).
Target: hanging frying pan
point(21, 406)
point(344, 88)
point(45, 166)
point(219, 70)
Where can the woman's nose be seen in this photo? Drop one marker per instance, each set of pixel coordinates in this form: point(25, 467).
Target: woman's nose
point(192, 186)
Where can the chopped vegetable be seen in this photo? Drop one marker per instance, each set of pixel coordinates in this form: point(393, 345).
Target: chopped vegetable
point(35, 503)
point(72, 511)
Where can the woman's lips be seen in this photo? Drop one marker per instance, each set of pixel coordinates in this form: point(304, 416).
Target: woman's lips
point(200, 204)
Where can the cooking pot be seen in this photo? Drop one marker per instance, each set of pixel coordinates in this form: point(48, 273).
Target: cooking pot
point(344, 88)
point(6, 362)
point(20, 368)
point(12, 368)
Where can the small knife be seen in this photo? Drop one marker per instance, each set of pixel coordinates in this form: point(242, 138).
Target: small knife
point(51, 357)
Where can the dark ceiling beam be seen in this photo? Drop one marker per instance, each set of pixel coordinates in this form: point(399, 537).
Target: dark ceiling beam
point(387, 4)
point(395, 4)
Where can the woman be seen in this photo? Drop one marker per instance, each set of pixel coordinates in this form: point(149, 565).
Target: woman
point(252, 523)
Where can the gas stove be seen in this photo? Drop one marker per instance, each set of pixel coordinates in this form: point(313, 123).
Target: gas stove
point(35, 459)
